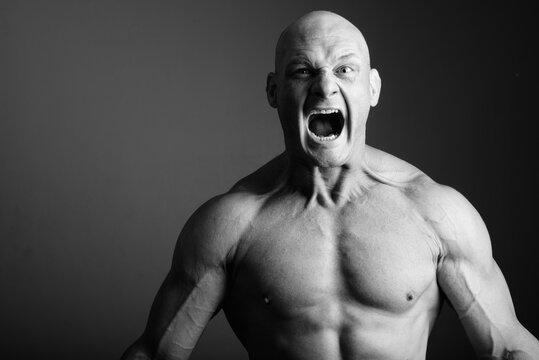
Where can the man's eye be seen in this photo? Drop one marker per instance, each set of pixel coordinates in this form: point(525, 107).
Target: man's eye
point(302, 72)
point(344, 70)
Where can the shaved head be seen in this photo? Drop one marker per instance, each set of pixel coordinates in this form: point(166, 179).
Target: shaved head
point(314, 25)
point(323, 88)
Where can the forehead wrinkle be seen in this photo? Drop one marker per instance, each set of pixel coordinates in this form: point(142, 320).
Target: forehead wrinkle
point(302, 58)
point(321, 55)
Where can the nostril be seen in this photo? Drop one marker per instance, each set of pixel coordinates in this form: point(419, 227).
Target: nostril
point(325, 86)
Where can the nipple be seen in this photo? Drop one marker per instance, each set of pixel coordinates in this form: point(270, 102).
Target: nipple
point(410, 296)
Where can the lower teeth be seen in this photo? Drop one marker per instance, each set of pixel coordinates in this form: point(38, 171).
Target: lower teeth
point(326, 138)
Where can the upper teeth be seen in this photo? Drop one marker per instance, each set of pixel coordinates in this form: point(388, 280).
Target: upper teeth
point(324, 111)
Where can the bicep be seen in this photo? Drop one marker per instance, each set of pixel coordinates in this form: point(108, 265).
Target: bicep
point(182, 308)
point(194, 288)
point(472, 281)
point(482, 301)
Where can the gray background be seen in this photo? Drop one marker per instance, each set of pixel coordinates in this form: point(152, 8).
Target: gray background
point(118, 119)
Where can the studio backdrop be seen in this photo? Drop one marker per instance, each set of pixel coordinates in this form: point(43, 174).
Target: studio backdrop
point(119, 118)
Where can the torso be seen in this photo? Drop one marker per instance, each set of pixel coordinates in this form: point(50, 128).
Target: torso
point(357, 282)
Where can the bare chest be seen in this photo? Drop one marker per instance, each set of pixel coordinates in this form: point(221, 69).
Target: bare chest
point(372, 255)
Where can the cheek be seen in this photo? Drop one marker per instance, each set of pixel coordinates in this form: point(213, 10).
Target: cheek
point(357, 97)
point(358, 104)
point(293, 92)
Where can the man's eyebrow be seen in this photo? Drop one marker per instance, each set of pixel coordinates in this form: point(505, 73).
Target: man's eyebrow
point(298, 59)
point(348, 55)
point(302, 59)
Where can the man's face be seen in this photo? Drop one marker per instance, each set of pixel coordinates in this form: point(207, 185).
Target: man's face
point(323, 89)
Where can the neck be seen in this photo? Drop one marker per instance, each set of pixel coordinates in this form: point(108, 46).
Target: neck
point(329, 186)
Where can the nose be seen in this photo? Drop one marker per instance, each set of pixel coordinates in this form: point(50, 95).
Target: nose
point(324, 85)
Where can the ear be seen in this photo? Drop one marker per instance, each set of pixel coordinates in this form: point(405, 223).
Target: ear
point(375, 86)
point(271, 90)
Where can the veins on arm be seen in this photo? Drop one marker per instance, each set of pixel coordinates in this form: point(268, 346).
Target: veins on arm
point(474, 284)
point(195, 287)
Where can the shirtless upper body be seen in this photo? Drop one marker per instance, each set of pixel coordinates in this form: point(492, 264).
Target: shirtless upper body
point(333, 250)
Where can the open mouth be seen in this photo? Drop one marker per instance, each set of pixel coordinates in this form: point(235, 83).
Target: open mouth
point(326, 124)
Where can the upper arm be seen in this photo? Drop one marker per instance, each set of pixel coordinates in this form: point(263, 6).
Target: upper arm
point(472, 281)
point(196, 283)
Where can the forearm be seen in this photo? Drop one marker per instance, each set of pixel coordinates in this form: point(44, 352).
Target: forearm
point(520, 345)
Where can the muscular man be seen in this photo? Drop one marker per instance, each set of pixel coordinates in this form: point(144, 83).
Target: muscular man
point(333, 250)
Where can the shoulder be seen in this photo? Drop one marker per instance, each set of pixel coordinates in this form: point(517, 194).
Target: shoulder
point(212, 233)
point(391, 170)
point(232, 211)
point(215, 229)
point(454, 220)
point(436, 201)
point(221, 217)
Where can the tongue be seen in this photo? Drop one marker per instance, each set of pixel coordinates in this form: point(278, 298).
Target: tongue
point(321, 126)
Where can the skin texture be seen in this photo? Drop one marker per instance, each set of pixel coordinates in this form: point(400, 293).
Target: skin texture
point(332, 250)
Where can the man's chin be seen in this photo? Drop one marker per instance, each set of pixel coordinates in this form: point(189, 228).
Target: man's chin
point(327, 159)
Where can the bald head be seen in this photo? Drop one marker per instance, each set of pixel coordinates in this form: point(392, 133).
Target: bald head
point(322, 67)
point(317, 26)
